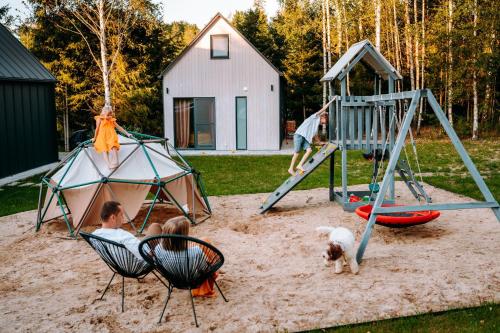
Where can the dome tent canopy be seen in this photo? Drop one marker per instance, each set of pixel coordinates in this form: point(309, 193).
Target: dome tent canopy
point(82, 182)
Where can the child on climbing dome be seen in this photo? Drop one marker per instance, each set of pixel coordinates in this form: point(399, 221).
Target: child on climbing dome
point(303, 137)
point(105, 138)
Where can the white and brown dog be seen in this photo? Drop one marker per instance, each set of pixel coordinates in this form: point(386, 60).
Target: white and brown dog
point(340, 248)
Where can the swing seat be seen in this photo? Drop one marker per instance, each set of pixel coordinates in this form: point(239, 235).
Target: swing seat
point(398, 220)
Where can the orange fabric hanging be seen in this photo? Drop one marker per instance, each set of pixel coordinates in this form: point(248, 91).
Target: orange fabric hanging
point(206, 289)
point(107, 138)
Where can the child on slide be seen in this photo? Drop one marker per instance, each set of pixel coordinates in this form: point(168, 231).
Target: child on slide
point(105, 138)
point(302, 139)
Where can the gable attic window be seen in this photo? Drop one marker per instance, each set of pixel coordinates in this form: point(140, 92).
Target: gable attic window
point(219, 46)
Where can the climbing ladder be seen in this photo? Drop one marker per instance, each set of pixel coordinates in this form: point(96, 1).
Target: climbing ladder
point(315, 161)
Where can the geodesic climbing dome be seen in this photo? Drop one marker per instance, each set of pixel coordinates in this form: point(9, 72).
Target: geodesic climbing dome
point(82, 182)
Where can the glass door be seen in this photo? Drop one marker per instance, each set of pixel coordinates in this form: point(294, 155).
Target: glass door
point(241, 123)
point(204, 123)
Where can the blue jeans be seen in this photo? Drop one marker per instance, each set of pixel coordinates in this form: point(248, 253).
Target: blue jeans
point(300, 143)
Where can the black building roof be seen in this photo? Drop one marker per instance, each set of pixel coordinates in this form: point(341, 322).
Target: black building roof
point(17, 63)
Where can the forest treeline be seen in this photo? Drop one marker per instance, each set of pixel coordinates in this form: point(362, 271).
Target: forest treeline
point(449, 46)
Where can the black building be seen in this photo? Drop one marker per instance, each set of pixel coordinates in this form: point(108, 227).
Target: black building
point(28, 134)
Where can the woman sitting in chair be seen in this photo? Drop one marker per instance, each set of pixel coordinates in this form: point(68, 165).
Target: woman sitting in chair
point(177, 253)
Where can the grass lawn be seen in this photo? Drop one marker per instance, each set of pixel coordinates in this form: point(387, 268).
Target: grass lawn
point(440, 164)
point(481, 319)
point(20, 197)
point(226, 175)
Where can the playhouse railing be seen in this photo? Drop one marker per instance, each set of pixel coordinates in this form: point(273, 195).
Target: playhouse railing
point(358, 124)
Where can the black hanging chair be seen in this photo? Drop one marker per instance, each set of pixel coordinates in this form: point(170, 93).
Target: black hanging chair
point(120, 260)
point(186, 264)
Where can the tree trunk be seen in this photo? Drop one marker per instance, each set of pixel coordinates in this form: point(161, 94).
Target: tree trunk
point(416, 53)
point(422, 71)
point(66, 120)
point(495, 119)
point(343, 17)
point(467, 113)
point(328, 42)
point(324, 48)
point(304, 105)
point(450, 64)
point(475, 121)
point(104, 61)
point(396, 38)
point(389, 38)
point(409, 44)
point(338, 21)
point(488, 110)
point(441, 74)
point(492, 77)
point(328, 53)
point(377, 24)
point(487, 97)
point(417, 46)
point(360, 28)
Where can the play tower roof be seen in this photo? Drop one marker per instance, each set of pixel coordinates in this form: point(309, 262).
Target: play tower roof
point(362, 51)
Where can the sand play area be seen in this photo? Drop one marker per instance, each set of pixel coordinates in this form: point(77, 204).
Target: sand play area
point(273, 275)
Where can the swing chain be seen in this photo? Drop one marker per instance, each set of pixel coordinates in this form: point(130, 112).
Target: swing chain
point(384, 148)
point(414, 147)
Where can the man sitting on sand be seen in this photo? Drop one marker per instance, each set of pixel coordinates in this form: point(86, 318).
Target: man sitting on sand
point(112, 220)
point(303, 138)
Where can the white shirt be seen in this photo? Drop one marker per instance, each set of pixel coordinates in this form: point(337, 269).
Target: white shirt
point(309, 127)
point(123, 237)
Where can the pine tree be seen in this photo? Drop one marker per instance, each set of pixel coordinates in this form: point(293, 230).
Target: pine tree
point(298, 25)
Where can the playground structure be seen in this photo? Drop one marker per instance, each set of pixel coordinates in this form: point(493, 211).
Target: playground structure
point(82, 182)
point(369, 123)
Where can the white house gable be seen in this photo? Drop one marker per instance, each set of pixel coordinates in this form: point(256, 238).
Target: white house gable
point(244, 73)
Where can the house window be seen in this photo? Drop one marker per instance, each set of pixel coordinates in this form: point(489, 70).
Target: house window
point(219, 46)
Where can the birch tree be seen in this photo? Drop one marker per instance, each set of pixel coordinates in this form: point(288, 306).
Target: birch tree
point(422, 70)
point(417, 46)
point(338, 24)
point(397, 42)
point(377, 24)
point(449, 81)
point(475, 117)
point(328, 41)
point(323, 21)
point(109, 22)
point(409, 44)
point(328, 35)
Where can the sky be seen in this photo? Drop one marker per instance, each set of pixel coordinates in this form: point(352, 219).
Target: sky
point(201, 11)
point(198, 12)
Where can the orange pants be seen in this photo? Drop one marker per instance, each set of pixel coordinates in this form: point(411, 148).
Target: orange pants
point(207, 287)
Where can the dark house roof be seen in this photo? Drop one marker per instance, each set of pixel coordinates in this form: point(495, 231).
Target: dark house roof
point(365, 52)
point(17, 63)
point(202, 33)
